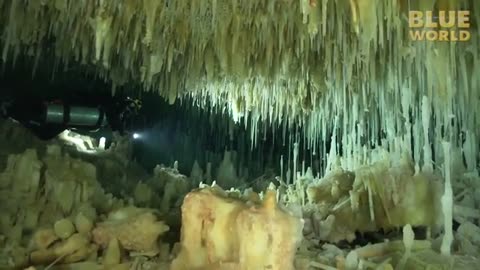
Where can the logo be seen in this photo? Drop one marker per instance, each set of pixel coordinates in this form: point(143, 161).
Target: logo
point(446, 26)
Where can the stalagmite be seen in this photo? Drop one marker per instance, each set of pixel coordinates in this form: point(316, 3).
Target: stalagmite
point(408, 241)
point(224, 240)
point(447, 203)
point(369, 199)
point(226, 174)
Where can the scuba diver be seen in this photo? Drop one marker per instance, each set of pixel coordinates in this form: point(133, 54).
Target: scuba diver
point(48, 118)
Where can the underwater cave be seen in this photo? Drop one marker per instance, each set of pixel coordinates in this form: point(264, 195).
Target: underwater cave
point(239, 135)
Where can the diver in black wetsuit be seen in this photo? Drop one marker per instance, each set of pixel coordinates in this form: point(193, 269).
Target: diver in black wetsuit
point(48, 118)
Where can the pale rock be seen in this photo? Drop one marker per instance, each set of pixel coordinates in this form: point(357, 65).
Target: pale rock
point(83, 224)
point(44, 238)
point(135, 233)
point(64, 228)
point(112, 253)
point(142, 194)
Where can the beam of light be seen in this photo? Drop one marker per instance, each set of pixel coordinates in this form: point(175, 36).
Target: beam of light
point(136, 135)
